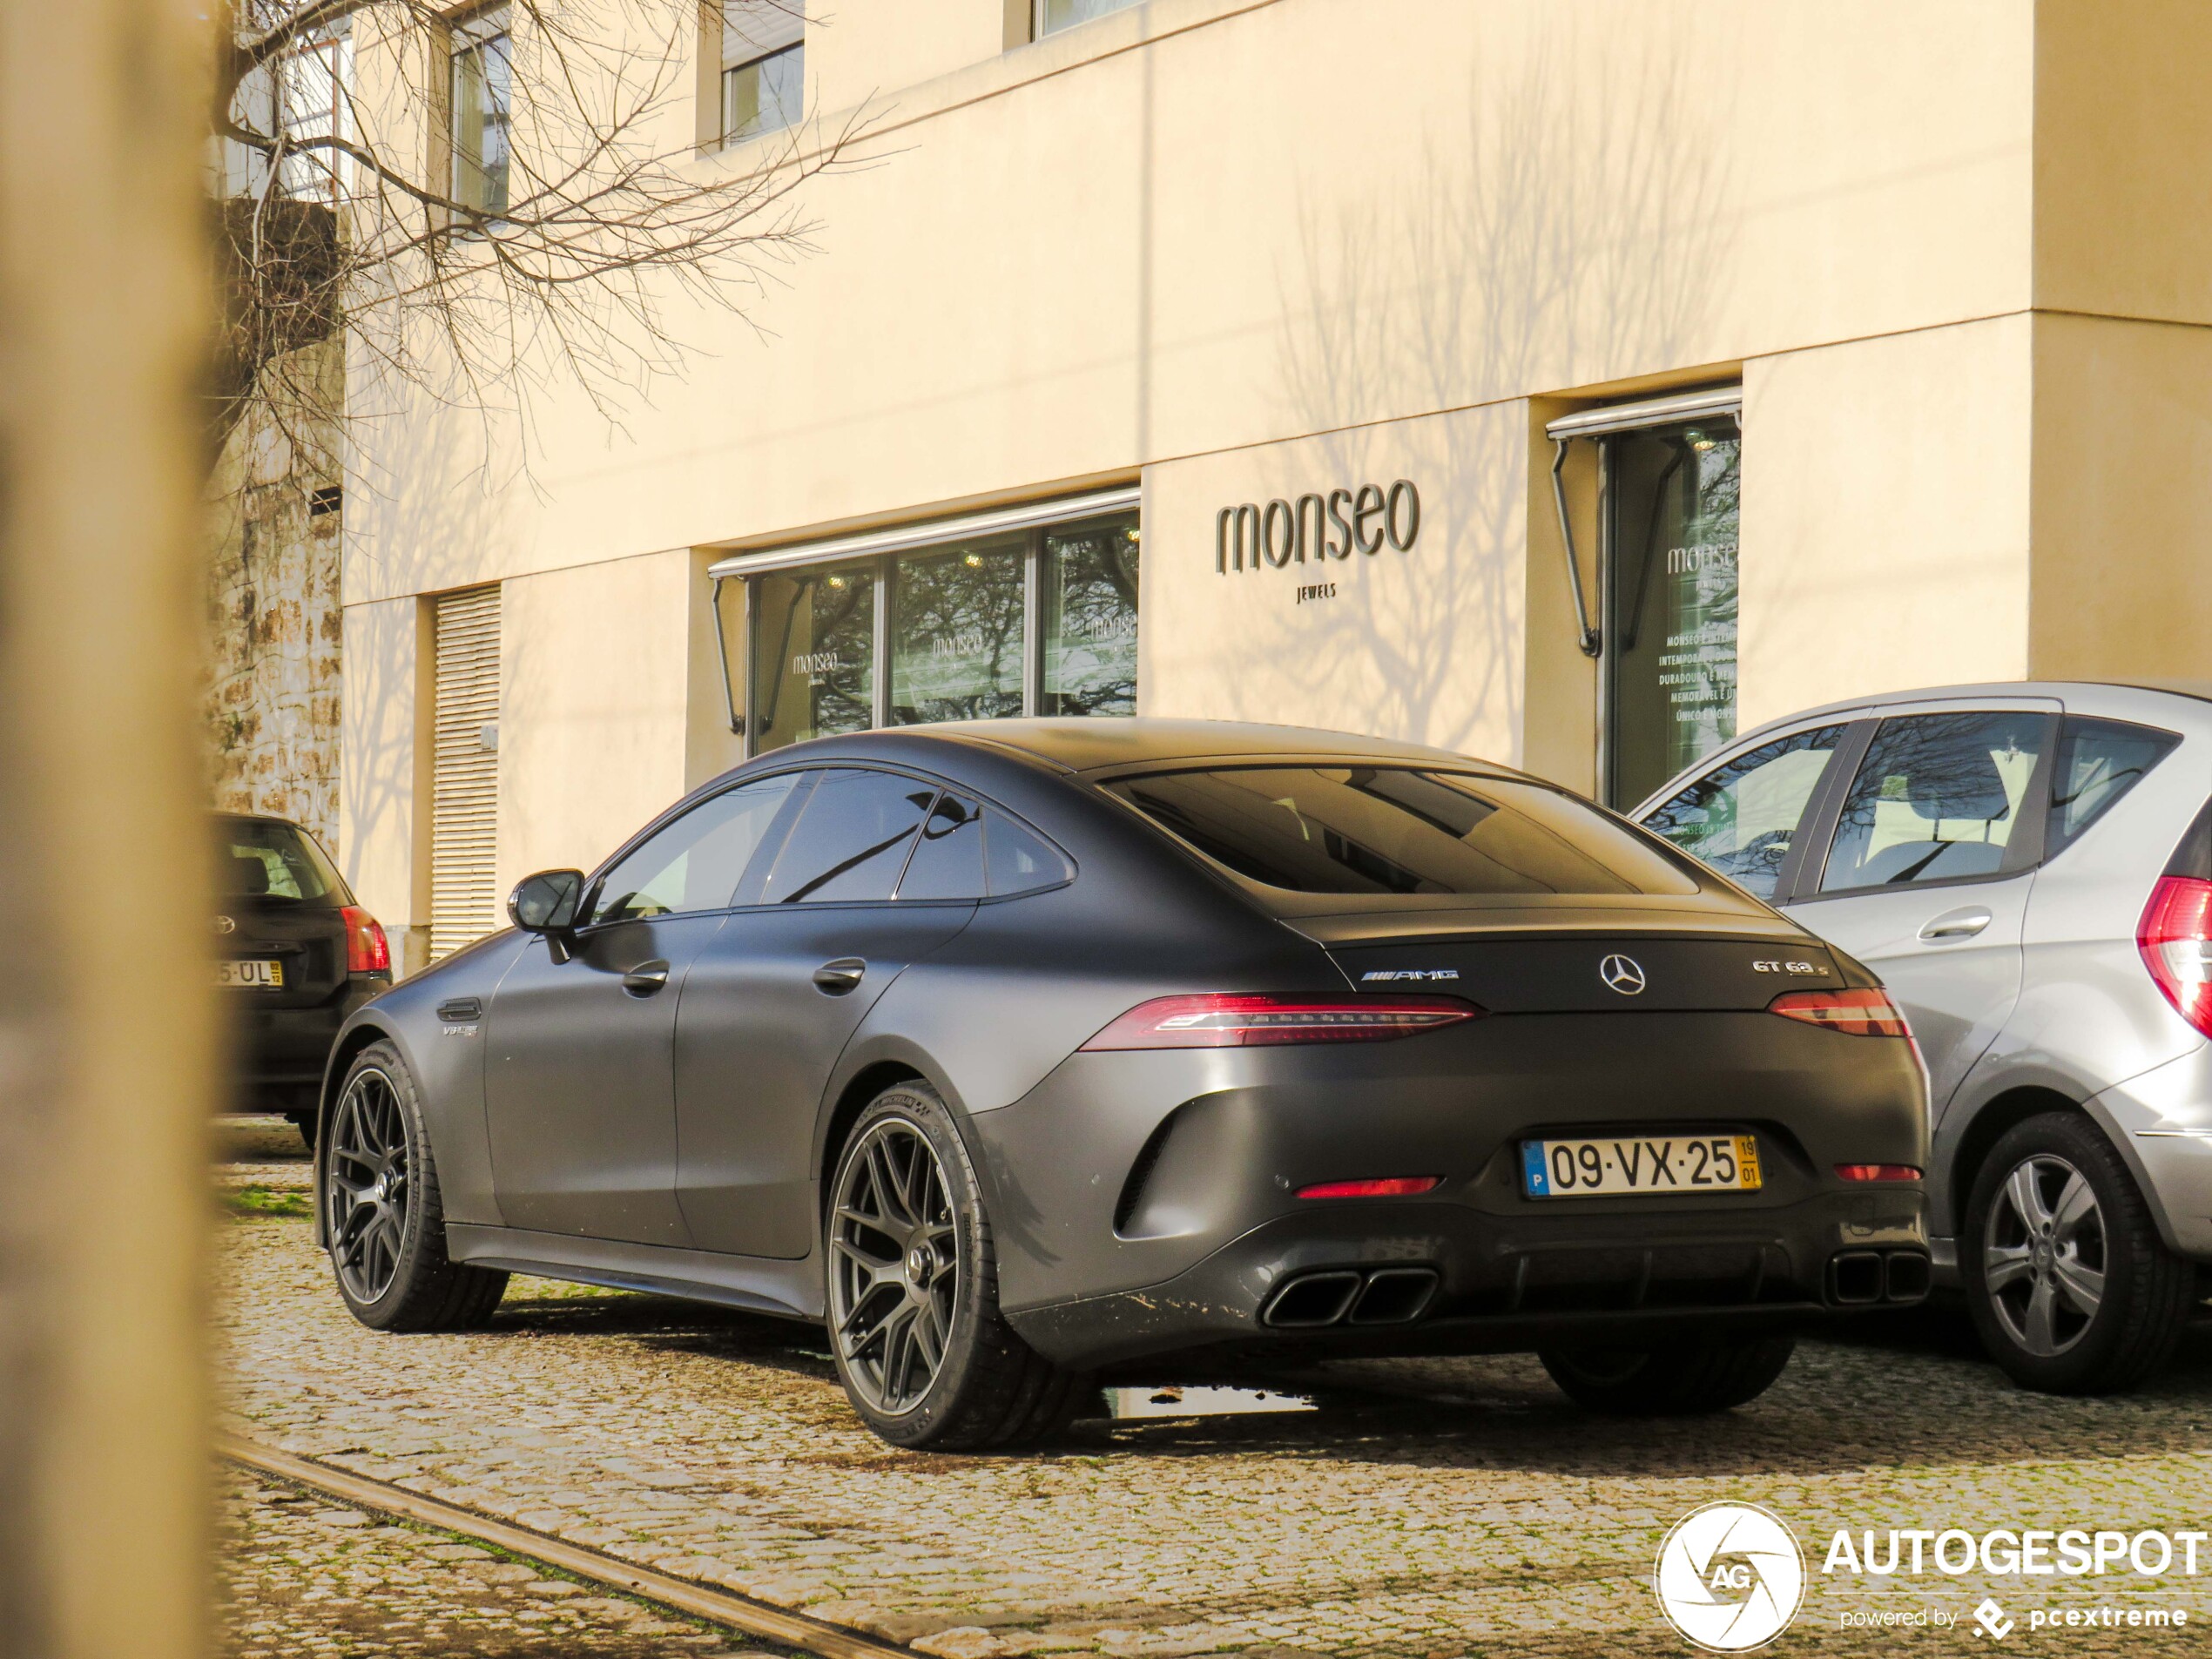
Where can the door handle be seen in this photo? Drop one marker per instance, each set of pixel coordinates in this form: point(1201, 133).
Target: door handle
point(838, 977)
point(645, 979)
point(1956, 924)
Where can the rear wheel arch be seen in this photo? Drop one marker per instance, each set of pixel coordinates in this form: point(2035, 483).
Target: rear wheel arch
point(1995, 1119)
point(853, 1099)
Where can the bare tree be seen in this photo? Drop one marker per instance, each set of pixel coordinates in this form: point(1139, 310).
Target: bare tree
point(483, 200)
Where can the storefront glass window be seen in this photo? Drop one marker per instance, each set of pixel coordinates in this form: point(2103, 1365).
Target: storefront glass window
point(956, 633)
point(1670, 632)
point(813, 654)
point(1089, 620)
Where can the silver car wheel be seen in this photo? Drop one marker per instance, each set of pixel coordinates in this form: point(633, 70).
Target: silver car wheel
point(369, 1189)
point(895, 1266)
point(2043, 1255)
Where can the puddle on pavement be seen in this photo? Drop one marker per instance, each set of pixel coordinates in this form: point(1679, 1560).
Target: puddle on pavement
point(1176, 1401)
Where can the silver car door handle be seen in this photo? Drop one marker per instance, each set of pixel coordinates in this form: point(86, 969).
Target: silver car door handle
point(1956, 924)
point(645, 979)
point(838, 977)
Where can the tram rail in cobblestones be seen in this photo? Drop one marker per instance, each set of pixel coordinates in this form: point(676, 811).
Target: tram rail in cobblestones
point(720, 1607)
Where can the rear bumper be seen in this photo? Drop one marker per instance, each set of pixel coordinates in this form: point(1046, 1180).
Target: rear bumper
point(2162, 1121)
point(1445, 1278)
point(1142, 1203)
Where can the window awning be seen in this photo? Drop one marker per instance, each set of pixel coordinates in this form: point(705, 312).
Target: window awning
point(1651, 411)
point(929, 533)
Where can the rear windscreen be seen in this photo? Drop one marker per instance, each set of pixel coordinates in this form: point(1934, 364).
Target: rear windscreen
point(256, 859)
point(1396, 829)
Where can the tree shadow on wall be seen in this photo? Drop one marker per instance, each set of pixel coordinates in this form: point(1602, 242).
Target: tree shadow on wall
point(1574, 234)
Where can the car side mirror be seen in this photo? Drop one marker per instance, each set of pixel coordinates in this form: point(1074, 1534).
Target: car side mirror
point(546, 902)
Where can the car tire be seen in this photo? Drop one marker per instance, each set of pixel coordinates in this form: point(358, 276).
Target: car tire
point(1679, 1378)
point(382, 1212)
point(911, 1287)
point(2071, 1289)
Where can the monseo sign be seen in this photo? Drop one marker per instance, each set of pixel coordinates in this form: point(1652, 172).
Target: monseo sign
point(1315, 527)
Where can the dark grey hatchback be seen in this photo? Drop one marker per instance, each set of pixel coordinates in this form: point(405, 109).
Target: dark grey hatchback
point(1028, 1052)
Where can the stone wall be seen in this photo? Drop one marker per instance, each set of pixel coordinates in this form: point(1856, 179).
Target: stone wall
point(278, 506)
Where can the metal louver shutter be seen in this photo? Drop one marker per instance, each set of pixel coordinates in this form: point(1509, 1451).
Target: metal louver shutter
point(464, 790)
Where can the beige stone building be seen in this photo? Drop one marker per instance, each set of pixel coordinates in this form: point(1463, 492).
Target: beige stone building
point(1237, 358)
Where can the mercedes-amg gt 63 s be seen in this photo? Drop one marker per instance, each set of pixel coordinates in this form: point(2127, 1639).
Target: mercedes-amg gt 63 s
point(1023, 1053)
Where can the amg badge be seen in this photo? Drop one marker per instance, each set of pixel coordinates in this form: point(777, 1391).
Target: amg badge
point(1409, 972)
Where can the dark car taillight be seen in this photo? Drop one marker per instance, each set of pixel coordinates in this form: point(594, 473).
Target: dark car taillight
point(2176, 939)
point(367, 949)
point(1861, 1013)
point(1227, 1021)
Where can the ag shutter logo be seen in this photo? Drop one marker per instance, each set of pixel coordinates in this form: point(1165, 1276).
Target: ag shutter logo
point(1992, 1619)
point(1731, 1577)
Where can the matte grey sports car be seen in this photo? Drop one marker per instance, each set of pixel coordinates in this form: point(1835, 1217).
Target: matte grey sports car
point(1023, 1052)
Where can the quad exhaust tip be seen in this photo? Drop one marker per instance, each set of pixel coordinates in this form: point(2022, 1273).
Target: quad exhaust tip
point(1867, 1277)
point(1349, 1296)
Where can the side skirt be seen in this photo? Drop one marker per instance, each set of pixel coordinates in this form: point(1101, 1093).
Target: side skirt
point(787, 1289)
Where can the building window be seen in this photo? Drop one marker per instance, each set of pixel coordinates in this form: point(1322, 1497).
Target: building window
point(1053, 16)
point(1026, 621)
point(482, 102)
point(1670, 587)
point(313, 83)
point(764, 67)
point(813, 654)
point(957, 633)
point(1088, 618)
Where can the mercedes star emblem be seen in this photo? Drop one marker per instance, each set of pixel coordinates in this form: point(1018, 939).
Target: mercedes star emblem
point(1624, 974)
point(224, 925)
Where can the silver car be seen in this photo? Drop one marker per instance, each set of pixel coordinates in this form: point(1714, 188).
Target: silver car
point(2028, 868)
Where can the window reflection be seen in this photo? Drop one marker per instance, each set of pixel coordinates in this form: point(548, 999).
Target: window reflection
point(956, 634)
point(1742, 818)
point(813, 655)
point(1089, 620)
point(1937, 798)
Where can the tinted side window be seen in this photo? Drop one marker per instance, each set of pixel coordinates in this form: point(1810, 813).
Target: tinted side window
point(696, 863)
point(2098, 762)
point(948, 858)
point(1396, 829)
point(1018, 859)
point(852, 839)
point(1742, 818)
point(1938, 798)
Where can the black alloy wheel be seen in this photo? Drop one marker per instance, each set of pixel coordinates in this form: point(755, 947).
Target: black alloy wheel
point(894, 1270)
point(912, 1290)
point(2071, 1289)
point(382, 1215)
point(367, 1189)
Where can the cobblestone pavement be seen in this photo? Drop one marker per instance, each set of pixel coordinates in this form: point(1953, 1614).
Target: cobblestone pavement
point(1429, 1509)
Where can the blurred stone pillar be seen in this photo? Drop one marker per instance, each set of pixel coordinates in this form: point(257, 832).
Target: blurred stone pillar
point(104, 999)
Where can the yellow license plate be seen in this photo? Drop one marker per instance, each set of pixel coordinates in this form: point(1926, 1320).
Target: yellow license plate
point(263, 976)
point(1640, 1166)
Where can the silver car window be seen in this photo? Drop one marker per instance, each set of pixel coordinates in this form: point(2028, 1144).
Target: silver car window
point(1938, 798)
point(1742, 817)
point(2098, 762)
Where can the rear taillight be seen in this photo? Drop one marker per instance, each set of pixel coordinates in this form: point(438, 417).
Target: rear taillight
point(1255, 1021)
point(367, 949)
point(1861, 1013)
point(2176, 939)
point(1877, 1172)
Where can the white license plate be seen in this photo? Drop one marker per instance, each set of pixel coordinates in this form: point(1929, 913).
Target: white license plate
point(263, 976)
point(1640, 1166)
